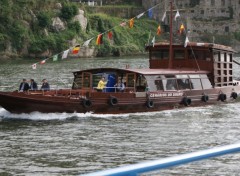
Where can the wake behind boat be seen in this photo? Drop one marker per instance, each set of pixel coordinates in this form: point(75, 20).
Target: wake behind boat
point(180, 75)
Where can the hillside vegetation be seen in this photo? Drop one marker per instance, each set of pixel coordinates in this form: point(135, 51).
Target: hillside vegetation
point(26, 29)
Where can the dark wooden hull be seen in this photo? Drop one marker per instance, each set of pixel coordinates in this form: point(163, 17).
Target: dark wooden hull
point(100, 103)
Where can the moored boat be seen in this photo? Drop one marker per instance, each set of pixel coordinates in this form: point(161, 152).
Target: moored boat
point(179, 75)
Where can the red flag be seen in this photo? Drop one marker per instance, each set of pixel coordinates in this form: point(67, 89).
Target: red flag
point(110, 35)
point(99, 40)
point(159, 31)
point(76, 49)
point(43, 62)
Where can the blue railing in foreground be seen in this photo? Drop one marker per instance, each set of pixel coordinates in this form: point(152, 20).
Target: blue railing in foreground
point(135, 169)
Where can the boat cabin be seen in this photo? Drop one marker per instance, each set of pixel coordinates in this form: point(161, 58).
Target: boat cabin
point(142, 80)
point(217, 59)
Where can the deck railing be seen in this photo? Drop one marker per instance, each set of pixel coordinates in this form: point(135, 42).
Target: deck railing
point(136, 169)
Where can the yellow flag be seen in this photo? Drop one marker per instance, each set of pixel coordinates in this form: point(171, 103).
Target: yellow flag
point(182, 28)
point(131, 23)
point(159, 31)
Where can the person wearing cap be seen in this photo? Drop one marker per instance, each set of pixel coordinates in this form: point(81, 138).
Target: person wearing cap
point(45, 85)
point(33, 85)
point(23, 86)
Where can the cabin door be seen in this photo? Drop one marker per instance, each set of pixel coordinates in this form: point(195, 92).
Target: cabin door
point(87, 80)
point(131, 81)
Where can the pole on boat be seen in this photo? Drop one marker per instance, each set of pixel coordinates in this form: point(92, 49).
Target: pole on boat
point(170, 63)
point(136, 169)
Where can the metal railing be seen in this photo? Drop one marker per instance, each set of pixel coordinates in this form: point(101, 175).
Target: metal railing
point(136, 169)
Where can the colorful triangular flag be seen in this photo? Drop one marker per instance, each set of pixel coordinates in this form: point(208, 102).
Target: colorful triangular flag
point(159, 31)
point(131, 23)
point(76, 49)
point(110, 35)
point(123, 24)
point(182, 29)
point(153, 41)
point(43, 61)
point(140, 15)
point(55, 58)
point(177, 15)
point(86, 43)
point(150, 13)
point(65, 54)
point(164, 16)
point(34, 66)
point(99, 40)
point(186, 42)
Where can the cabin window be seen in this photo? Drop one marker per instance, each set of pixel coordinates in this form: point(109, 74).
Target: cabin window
point(141, 83)
point(77, 84)
point(178, 54)
point(131, 80)
point(162, 54)
point(199, 54)
point(195, 82)
point(183, 82)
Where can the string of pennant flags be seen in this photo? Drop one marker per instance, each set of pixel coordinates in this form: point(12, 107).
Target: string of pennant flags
point(99, 37)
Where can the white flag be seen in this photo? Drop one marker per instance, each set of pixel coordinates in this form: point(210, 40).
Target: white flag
point(153, 41)
point(186, 42)
point(65, 54)
point(34, 66)
point(87, 42)
point(140, 15)
point(177, 15)
point(164, 16)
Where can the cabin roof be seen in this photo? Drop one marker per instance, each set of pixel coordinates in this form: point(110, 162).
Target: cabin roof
point(195, 45)
point(147, 71)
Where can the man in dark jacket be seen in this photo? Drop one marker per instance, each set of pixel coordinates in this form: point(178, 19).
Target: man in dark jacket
point(33, 85)
point(23, 86)
point(45, 85)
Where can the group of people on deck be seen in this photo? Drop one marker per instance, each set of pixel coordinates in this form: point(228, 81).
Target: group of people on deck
point(32, 85)
point(120, 86)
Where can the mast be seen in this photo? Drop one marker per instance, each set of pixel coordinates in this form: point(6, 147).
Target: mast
point(170, 63)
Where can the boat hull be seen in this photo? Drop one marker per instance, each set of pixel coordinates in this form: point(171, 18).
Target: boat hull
point(111, 103)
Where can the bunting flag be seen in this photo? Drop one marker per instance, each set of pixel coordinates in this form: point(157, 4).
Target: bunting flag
point(150, 13)
point(123, 24)
point(182, 28)
point(76, 49)
point(87, 42)
point(131, 23)
point(110, 35)
point(164, 16)
point(99, 39)
point(177, 15)
point(55, 58)
point(65, 54)
point(153, 41)
point(140, 15)
point(34, 66)
point(43, 61)
point(186, 42)
point(159, 31)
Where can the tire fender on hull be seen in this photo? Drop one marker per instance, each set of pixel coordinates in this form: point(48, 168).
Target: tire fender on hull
point(150, 104)
point(113, 101)
point(234, 95)
point(186, 101)
point(205, 98)
point(222, 97)
point(86, 103)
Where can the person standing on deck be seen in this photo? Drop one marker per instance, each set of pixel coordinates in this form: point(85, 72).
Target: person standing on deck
point(101, 85)
point(23, 86)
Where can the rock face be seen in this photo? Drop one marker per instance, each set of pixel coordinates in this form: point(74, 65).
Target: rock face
point(57, 24)
point(81, 19)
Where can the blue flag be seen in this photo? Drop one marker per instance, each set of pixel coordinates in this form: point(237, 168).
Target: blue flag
point(150, 13)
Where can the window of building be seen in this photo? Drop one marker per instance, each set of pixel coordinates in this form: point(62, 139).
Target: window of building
point(212, 2)
point(202, 11)
point(223, 2)
point(227, 29)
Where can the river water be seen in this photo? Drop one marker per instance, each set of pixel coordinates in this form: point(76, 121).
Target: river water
point(73, 144)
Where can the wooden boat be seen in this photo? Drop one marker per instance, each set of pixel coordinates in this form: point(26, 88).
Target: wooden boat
point(179, 76)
